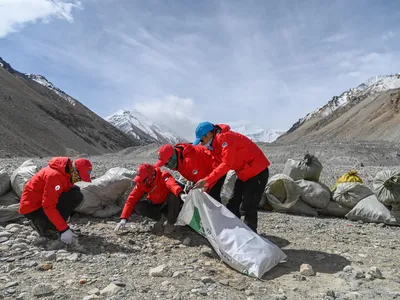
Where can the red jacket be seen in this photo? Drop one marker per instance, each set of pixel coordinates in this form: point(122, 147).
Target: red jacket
point(44, 189)
point(235, 152)
point(194, 162)
point(157, 192)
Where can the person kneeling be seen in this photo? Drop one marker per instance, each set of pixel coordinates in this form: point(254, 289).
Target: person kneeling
point(50, 196)
point(163, 200)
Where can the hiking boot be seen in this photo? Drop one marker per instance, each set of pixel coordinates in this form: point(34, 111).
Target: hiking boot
point(157, 227)
point(169, 228)
point(44, 232)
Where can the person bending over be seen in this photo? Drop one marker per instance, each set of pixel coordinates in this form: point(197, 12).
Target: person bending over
point(193, 163)
point(50, 196)
point(236, 152)
point(163, 201)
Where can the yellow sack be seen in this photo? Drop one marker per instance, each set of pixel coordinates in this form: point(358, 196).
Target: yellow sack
point(351, 176)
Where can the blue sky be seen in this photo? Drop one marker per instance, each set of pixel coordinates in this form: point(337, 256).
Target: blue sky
point(180, 62)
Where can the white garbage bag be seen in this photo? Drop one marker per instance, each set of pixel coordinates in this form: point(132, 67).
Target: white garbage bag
point(372, 211)
point(22, 175)
point(334, 209)
point(5, 182)
point(386, 186)
point(235, 243)
point(228, 187)
point(350, 193)
point(101, 196)
point(282, 192)
point(315, 194)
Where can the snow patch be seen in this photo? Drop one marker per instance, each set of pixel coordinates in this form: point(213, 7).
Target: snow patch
point(369, 87)
point(129, 121)
point(43, 81)
point(255, 132)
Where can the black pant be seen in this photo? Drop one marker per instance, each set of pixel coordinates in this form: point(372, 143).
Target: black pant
point(170, 208)
point(215, 192)
point(248, 194)
point(67, 202)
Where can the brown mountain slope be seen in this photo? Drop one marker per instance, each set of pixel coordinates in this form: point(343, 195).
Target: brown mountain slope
point(35, 121)
point(375, 118)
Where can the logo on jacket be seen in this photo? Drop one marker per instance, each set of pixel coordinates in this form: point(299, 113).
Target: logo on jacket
point(166, 178)
point(57, 187)
point(195, 172)
point(224, 144)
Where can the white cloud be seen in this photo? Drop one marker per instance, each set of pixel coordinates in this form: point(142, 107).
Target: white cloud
point(15, 14)
point(177, 113)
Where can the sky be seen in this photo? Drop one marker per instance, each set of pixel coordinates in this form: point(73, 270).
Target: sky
point(180, 62)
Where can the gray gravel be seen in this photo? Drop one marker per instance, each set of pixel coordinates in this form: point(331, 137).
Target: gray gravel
point(349, 260)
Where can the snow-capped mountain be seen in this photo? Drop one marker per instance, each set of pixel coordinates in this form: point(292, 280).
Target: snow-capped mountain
point(373, 85)
point(255, 132)
point(134, 123)
point(43, 81)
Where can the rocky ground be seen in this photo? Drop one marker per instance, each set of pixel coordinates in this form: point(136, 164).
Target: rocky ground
point(348, 260)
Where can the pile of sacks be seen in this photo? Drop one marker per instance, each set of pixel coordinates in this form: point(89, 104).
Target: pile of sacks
point(103, 197)
point(299, 191)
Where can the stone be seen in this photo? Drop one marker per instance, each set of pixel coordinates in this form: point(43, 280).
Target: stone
point(91, 297)
point(73, 257)
point(206, 279)
point(12, 225)
point(49, 255)
point(249, 292)
point(375, 272)
point(224, 282)
point(359, 275)
point(45, 266)
point(160, 271)
point(111, 290)
point(178, 274)
point(331, 293)
point(5, 234)
point(21, 246)
point(186, 241)
point(3, 239)
point(94, 291)
point(306, 270)
point(348, 269)
point(11, 284)
point(41, 290)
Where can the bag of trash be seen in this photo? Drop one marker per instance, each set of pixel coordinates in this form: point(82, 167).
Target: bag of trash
point(100, 196)
point(315, 194)
point(9, 213)
point(5, 182)
point(312, 168)
point(234, 242)
point(293, 169)
point(334, 209)
point(386, 186)
point(370, 210)
point(9, 205)
point(228, 187)
point(309, 168)
point(350, 193)
point(22, 175)
point(303, 209)
point(282, 192)
point(351, 176)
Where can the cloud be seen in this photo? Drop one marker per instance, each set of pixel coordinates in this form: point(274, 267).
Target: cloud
point(177, 113)
point(15, 14)
point(387, 36)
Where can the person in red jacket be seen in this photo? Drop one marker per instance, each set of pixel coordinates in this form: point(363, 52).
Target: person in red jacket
point(236, 152)
point(50, 196)
point(192, 162)
point(163, 201)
